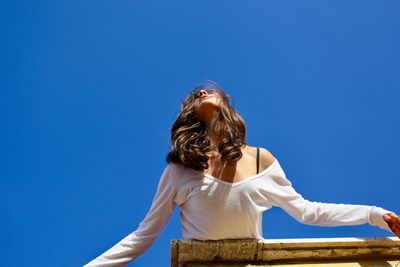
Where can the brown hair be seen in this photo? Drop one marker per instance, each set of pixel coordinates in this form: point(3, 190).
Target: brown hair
point(189, 141)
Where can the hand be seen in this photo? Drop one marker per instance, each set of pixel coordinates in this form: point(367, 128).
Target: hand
point(394, 222)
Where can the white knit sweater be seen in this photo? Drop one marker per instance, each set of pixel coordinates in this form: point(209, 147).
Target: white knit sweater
point(213, 209)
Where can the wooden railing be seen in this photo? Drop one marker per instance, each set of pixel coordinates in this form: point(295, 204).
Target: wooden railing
point(329, 252)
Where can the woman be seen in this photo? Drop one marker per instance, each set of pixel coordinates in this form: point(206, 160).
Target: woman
point(222, 185)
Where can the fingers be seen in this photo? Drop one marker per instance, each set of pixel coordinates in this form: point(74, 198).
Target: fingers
point(387, 217)
point(391, 217)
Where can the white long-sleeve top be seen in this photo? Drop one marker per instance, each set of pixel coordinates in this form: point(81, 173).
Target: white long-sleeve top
point(213, 209)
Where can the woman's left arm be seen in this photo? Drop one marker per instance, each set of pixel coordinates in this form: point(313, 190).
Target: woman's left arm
point(282, 194)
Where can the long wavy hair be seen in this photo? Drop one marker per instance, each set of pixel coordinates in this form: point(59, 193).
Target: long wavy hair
point(189, 139)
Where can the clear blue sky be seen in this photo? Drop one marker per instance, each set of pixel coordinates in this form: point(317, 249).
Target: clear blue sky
point(89, 90)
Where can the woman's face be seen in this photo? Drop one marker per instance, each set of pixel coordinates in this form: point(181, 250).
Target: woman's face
point(207, 103)
point(209, 96)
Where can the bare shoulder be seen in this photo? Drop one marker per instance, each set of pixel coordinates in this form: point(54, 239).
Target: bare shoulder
point(266, 157)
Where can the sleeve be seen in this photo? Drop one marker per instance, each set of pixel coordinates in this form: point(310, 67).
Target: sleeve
point(282, 194)
point(137, 242)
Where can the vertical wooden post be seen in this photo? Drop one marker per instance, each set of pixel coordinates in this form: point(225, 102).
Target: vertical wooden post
point(174, 253)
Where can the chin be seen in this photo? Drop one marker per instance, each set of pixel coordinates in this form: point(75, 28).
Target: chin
point(210, 101)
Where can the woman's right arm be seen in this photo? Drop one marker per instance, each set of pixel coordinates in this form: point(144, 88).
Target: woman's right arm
point(137, 242)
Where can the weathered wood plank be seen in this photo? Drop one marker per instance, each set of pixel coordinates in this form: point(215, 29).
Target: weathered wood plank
point(249, 252)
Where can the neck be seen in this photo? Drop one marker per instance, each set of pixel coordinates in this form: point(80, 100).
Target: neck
point(213, 132)
point(215, 138)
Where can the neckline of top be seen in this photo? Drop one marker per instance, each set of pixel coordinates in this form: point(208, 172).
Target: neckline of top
point(244, 179)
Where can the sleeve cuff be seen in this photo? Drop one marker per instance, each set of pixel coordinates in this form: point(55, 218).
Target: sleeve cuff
point(376, 218)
